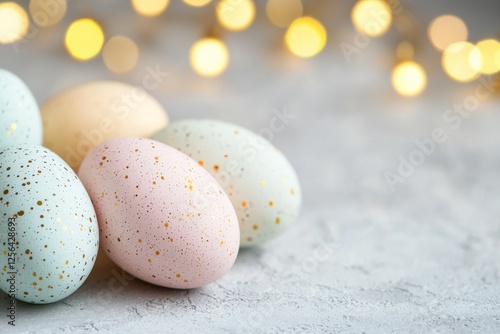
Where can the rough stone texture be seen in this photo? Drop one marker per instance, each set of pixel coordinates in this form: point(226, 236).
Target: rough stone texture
point(361, 258)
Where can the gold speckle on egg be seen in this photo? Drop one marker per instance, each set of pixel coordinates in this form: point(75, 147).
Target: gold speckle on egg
point(292, 191)
point(243, 204)
point(34, 273)
point(166, 225)
point(27, 251)
point(277, 221)
point(262, 183)
point(39, 203)
point(200, 163)
point(255, 227)
point(13, 126)
point(20, 213)
point(177, 275)
point(157, 253)
point(149, 260)
point(271, 203)
point(226, 155)
point(60, 276)
point(65, 228)
point(5, 192)
point(216, 168)
point(222, 242)
point(139, 241)
point(58, 219)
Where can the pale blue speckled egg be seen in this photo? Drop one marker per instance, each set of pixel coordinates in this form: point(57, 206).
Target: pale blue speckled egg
point(20, 120)
point(48, 227)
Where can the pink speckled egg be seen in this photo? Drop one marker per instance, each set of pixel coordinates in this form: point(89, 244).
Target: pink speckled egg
point(161, 216)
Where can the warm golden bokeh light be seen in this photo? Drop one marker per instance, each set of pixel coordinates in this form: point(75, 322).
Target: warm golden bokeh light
point(409, 78)
point(197, 3)
point(372, 17)
point(46, 13)
point(461, 60)
point(84, 39)
point(209, 57)
point(489, 49)
point(150, 7)
point(235, 14)
point(497, 58)
point(14, 22)
point(405, 51)
point(306, 37)
point(445, 30)
point(282, 13)
point(120, 54)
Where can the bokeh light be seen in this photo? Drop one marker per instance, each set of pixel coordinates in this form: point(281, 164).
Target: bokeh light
point(461, 60)
point(489, 49)
point(120, 54)
point(84, 39)
point(235, 15)
point(405, 51)
point(306, 37)
point(282, 13)
point(409, 78)
point(197, 3)
point(209, 57)
point(497, 58)
point(372, 17)
point(150, 7)
point(46, 13)
point(445, 30)
point(14, 22)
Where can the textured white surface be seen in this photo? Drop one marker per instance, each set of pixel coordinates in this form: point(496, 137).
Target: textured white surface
point(360, 258)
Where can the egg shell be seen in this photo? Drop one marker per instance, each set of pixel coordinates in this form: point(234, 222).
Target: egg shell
point(77, 119)
point(20, 121)
point(162, 217)
point(45, 205)
point(259, 180)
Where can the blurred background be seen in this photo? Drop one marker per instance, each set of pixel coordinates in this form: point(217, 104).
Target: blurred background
point(393, 130)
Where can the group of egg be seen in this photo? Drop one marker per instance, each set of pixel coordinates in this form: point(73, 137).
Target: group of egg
point(169, 203)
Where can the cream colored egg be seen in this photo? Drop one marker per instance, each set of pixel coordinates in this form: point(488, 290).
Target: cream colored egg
point(77, 119)
point(258, 179)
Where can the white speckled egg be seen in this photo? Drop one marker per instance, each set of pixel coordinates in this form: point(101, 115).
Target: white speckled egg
point(20, 121)
point(49, 232)
point(162, 217)
point(259, 180)
point(77, 119)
